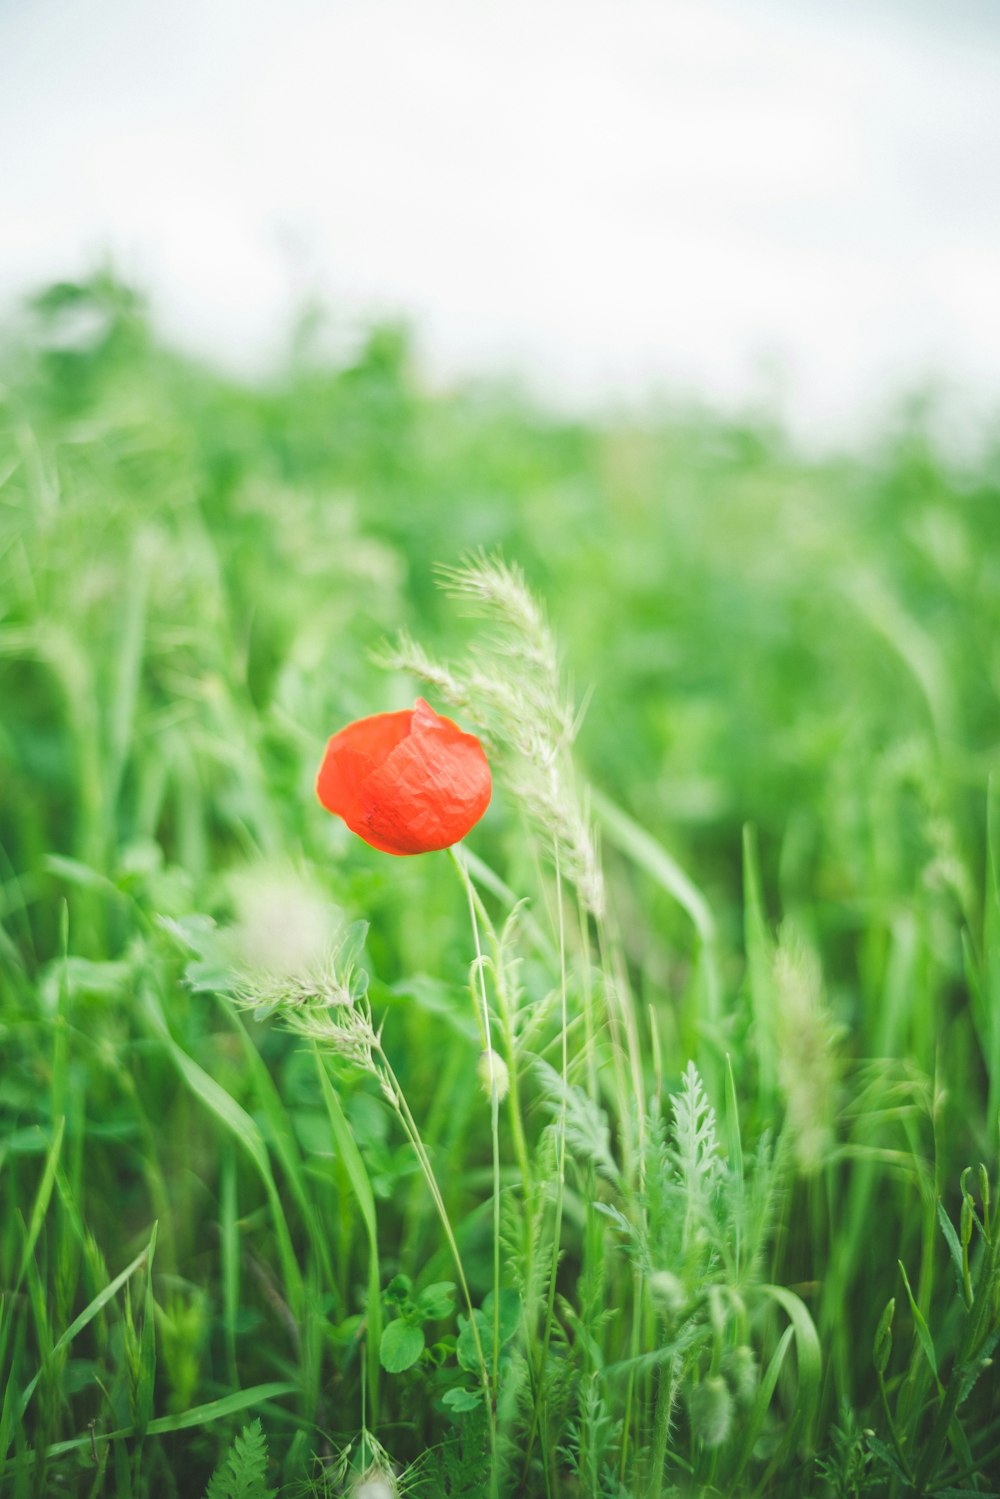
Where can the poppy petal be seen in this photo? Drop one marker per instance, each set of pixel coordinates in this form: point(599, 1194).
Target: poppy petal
point(434, 786)
point(407, 783)
point(352, 754)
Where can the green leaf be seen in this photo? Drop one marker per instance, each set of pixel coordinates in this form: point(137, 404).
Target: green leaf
point(147, 1348)
point(760, 959)
point(808, 1355)
point(197, 1415)
point(643, 850)
point(758, 1411)
point(461, 1399)
point(87, 1315)
point(437, 1301)
point(354, 1165)
point(510, 1314)
point(397, 1292)
point(465, 1349)
point(954, 1248)
point(243, 1128)
point(882, 1346)
point(401, 1346)
point(242, 1472)
point(41, 1204)
point(923, 1331)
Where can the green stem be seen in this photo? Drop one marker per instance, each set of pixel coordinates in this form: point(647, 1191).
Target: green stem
point(395, 1094)
point(561, 1181)
point(494, 1111)
point(893, 1433)
point(977, 1320)
point(661, 1432)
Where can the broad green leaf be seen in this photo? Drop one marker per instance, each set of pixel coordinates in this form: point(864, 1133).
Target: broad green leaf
point(510, 1314)
point(437, 1300)
point(462, 1400)
point(401, 1346)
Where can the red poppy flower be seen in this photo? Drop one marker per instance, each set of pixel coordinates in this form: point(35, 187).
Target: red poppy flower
point(407, 783)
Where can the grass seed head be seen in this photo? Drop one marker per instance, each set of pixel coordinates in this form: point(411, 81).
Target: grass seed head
point(492, 1071)
point(807, 1060)
point(375, 1483)
point(283, 923)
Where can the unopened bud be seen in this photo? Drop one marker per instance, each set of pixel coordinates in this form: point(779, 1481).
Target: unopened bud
point(740, 1368)
point(668, 1291)
point(492, 1070)
point(882, 1346)
point(710, 1407)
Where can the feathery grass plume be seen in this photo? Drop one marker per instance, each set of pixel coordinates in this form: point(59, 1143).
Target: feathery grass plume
point(327, 1004)
point(283, 922)
point(806, 1036)
point(363, 1469)
point(377, 1483)
point(512, 691)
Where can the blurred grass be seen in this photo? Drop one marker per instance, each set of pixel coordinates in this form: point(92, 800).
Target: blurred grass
point(193, 573)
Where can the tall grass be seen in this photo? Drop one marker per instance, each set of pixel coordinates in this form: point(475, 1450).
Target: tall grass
point(633, 1149)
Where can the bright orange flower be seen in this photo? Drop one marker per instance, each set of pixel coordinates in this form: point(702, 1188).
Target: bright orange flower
point(407, 783)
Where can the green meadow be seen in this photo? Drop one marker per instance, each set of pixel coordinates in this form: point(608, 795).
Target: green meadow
point(717, 1214)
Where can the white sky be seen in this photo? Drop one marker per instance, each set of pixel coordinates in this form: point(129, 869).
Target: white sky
point(604, 195)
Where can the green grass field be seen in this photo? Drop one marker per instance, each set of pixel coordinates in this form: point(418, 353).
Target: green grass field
point(732, 1227)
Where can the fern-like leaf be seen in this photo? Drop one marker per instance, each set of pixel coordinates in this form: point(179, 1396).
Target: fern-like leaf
point(695, 1149)
point(587, 1133)
point(242, 1472)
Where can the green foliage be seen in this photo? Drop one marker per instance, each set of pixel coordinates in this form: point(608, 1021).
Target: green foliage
point(737, 1250)
point(401, 1345)
point(243, 1471)
point(403, 1339)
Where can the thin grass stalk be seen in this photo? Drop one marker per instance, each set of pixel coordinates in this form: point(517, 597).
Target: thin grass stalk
point(494, 1112)
point(661, 1430)
point(514, 1110)
point(561, 1179)
point(413, 1135)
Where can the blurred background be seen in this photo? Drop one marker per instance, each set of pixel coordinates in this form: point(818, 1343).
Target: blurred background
point(781, 202)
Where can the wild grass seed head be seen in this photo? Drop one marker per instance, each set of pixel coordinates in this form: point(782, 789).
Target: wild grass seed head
point(807, 1035)
point(327, 1003)
point(284, 924)
point(511, 689)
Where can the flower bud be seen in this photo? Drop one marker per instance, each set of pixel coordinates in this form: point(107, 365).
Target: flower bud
point(740, 1369)
point(668, 1291)
point(882, 1346)
point(492, 1071)
point(710, 1408)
